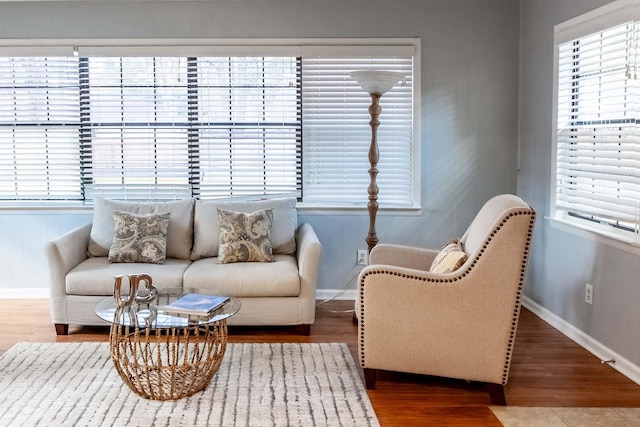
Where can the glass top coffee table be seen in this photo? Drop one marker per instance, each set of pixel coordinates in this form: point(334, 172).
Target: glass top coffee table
point(165, 357)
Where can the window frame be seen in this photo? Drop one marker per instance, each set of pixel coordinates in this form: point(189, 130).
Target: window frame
point(593, 22)
point(231, 47)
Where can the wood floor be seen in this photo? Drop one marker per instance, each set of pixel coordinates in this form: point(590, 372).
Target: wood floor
point(548, 369)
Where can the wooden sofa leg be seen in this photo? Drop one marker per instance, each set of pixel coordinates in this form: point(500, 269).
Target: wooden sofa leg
point(62, 329)
point(370, 378)
point(496, 393)
point(303, 329)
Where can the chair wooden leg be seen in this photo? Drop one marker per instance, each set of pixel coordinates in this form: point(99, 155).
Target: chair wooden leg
point(370, 378)
point(62, 329)
point(496, 393)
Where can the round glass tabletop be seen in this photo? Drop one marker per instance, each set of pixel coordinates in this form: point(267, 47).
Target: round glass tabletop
point(151, 315)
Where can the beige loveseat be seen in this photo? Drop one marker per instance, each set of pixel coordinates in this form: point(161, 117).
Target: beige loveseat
point(271, 293)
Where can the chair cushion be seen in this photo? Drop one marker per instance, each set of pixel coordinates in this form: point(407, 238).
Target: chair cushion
point(139, 238)
point(179, 233)
point(245, 237)
point(206, 225)
point(449, 259)
point(265, 279)
point(95, 276)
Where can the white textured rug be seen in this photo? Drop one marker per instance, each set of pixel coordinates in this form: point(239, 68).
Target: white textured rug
point(75, 384)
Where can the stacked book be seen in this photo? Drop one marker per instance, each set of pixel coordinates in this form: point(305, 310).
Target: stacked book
point(196, 305)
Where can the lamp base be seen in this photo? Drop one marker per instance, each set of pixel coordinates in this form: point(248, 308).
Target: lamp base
point(372, 241)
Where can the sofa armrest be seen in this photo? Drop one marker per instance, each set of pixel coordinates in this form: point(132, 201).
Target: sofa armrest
point(402, 256)
point(63, 254)
point(309, 250)
point(308, 254)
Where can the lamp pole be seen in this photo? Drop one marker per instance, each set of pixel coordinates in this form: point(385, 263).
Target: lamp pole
point(374, 157)
point(375, 83)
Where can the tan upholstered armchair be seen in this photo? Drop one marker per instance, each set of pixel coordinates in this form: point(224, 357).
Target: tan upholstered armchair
point(460, 324)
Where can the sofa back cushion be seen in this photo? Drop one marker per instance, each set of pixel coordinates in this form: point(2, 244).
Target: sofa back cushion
point(179, 234)
point(206, 240)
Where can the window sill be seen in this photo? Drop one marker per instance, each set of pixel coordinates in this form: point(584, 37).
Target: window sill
point(57, 209)
point(594, 234)
point(356, 210)
point(48, 209)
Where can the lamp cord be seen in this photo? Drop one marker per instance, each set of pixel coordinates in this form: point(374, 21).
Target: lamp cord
point(347, 287)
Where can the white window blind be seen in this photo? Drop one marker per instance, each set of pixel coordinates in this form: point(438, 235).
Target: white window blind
point(135, 127)
point(169, 128)
point(249, 134)
point(168, 122)
point(337, 134)
point(39, 122)
point(597, 145)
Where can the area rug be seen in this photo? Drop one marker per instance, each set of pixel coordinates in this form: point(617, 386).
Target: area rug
point(517, 416)
point(75, 384)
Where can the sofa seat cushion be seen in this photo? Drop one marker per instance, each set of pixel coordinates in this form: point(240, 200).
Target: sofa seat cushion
point(94, 276)
point(254, 279)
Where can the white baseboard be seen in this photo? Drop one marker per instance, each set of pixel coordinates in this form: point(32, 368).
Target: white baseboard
point(602, 352)
point(338, 294)
point(19, 293)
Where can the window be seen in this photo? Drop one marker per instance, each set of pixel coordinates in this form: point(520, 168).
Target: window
point(597, 140)
point(39, 129)
point(170, 127)
point(337, 134)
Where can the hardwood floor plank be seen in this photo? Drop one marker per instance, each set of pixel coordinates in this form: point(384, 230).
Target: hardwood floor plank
point(548, 369)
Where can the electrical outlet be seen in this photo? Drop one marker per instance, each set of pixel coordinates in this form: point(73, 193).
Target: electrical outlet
point(588, 294)
point(362, 257)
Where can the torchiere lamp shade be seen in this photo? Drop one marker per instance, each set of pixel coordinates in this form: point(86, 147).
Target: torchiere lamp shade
point(378, 82)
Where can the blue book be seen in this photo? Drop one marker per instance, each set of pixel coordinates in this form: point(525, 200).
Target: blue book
point(196, 305)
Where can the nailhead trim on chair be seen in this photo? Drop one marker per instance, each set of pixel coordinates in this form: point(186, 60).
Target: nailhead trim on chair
point(516, 312)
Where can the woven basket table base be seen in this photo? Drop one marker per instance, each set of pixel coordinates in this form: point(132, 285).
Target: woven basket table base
point(168, 363)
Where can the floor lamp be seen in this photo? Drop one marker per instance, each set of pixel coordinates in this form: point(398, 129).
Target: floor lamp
point(376, 84)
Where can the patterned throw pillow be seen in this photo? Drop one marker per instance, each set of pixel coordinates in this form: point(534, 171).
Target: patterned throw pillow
point(139, 238)
point(450, 258)
point(245, 237)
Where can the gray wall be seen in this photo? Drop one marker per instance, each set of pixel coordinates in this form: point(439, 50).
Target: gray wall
point(563, 262)
point(469, 103)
